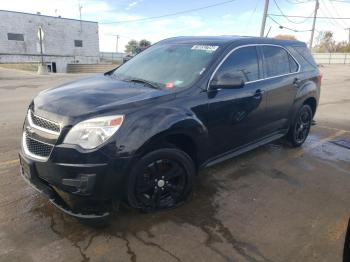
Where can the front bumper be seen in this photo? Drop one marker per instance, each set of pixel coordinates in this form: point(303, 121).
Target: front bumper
point(91, 187)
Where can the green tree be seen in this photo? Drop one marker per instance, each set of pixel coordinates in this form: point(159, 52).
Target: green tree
point(131, 47)
point(144, 43)
point(134, 47)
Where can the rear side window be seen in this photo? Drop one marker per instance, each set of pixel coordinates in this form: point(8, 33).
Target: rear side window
point(243, 61)
point(278, 61)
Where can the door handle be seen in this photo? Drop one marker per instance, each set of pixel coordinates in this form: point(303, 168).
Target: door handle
point(258, 94)
point(296, 82)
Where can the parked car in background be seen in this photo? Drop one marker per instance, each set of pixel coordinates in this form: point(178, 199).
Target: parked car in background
point(141, 132)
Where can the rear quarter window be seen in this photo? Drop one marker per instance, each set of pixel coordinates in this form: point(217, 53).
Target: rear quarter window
point(304, 57)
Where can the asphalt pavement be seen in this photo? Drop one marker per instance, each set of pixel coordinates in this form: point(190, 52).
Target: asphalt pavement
point(271, 204)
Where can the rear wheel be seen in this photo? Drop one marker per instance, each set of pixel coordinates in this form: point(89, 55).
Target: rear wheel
point(161, 180)
point(300, 128)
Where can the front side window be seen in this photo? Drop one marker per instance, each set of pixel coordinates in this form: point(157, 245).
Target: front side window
point(168, 66)
point(278, 61)
point(242, 62)
point(15, 37)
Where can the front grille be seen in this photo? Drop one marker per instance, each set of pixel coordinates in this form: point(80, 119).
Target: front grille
point(44, 123)
point(36, 148)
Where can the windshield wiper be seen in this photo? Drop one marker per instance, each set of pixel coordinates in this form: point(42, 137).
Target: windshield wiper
point(138, 80)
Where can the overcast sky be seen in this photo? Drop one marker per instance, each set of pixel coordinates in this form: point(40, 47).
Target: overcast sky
point(241, 17)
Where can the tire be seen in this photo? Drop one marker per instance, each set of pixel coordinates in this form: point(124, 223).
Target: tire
point(160, 180)
point(300, 128)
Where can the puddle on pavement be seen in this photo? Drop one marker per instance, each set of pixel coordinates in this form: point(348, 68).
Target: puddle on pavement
point(328, 150)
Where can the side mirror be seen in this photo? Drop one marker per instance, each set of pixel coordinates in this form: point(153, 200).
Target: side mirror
point(226, 81)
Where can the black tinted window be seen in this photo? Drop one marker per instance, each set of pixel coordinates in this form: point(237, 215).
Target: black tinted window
point(243, 61)
point(78, 43)
point(276, 61)
point(293, 65)
point(304, 57)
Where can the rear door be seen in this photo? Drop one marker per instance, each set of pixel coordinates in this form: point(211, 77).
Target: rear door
point(281, 82)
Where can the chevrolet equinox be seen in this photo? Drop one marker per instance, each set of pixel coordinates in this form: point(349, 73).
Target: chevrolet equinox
point(140, 132)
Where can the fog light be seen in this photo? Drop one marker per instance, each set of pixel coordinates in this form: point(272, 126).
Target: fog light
point(84, 183)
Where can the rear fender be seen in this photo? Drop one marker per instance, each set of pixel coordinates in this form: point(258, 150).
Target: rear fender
point(307, 90)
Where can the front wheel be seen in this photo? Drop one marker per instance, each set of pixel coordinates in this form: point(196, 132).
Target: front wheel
point(160, 180)
point(300, 128)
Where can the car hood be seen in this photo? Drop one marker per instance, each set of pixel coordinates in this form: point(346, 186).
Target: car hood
point(95, 95)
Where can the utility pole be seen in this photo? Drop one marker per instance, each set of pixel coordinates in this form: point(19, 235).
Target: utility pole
point(263, 23)
point(117, 44)
point(317, 5)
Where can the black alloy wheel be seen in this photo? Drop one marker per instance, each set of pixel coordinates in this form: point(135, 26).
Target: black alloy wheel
point(161, 180)
point(301, 127)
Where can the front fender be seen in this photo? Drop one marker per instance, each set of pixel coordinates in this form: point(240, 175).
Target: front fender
point(148, 128)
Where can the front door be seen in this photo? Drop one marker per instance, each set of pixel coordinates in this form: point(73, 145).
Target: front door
point(237, 116)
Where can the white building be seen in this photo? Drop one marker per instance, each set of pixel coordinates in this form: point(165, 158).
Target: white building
point(65, 41)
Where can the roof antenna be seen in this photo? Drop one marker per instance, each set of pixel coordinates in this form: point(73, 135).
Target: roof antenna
point(268, 31)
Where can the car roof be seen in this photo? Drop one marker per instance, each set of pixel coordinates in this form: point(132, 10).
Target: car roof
point(230, 39)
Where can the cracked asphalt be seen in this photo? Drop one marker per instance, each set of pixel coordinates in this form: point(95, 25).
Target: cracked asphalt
point(271, 204)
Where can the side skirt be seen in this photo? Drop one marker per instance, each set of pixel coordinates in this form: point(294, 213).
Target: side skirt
point(240, 150)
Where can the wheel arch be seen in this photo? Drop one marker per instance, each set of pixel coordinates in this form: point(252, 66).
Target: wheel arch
point(312, 102)
point(186, 141)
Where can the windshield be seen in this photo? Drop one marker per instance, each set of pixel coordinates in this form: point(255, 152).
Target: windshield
point(168, 66)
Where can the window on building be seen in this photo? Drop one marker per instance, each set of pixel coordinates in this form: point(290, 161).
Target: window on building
point(243, 62)
point(16, 37)
point(78, 43)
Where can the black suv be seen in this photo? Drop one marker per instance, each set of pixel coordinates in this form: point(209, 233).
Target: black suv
point(140, 132)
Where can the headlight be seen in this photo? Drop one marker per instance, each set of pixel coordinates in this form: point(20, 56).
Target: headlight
point(93, 132)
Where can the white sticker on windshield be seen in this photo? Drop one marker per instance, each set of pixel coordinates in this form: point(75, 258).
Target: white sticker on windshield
point(208, 48)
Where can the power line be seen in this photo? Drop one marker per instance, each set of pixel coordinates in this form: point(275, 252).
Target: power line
point(297, 2)
point(336, 12)
point(340, 1)
point(286, 17)
point(290, 29)
point(310, 17)
point(251, 15)
point(170, 14)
